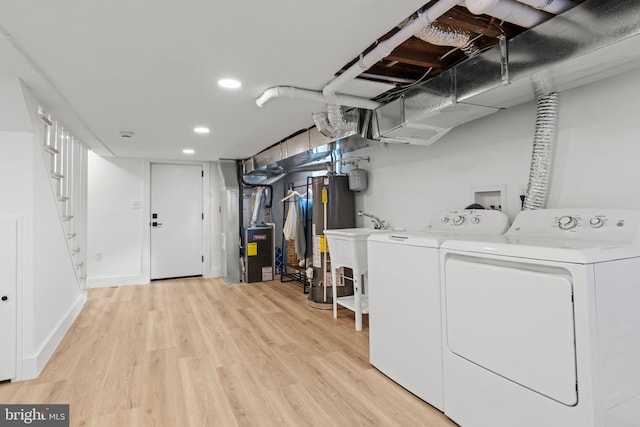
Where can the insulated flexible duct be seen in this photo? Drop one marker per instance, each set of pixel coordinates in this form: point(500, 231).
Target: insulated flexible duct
point(335, 115)
point(257, 202)
point(337, 122)
point(442, 37)
point(542, 156)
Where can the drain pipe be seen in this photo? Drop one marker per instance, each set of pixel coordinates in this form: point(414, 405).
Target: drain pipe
point(384, 48)
point(508, 10)
point(552, 6)
point(542, 156)
point(312, 95)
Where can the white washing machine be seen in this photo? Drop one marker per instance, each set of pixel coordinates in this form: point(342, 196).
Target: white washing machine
point(542, 325)
point(405, 331)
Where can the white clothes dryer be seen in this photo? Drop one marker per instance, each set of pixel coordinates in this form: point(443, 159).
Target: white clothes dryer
point(542, 325)
point(405, 331)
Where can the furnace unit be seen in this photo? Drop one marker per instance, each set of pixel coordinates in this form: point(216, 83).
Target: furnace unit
point(258, 253)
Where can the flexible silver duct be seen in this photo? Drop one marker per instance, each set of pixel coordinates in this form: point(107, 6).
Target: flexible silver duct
point(442, 37)
point(542, 156)
point(337, 122)
point(335, 115)
point(258, 193)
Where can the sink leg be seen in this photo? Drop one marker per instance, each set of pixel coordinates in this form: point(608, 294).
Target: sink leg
point(357, 293)
point(334, 292)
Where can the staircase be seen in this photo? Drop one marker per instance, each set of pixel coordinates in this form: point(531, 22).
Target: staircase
point(66, 161)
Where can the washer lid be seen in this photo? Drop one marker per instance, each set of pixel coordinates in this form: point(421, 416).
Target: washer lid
point(414, 238)
point(545, 248)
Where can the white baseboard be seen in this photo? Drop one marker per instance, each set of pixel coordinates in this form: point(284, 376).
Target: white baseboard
point(214, 273)
point(108, 281)
point(33, 366)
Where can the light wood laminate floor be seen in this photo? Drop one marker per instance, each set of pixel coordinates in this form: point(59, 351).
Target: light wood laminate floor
point(198, 352)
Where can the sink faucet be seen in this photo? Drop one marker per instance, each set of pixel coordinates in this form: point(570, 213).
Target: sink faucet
point(378, 223)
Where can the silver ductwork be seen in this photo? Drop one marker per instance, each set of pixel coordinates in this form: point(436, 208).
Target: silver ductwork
point(542, 156)
point(307, 150)
point(592, 41)
point(426, 113)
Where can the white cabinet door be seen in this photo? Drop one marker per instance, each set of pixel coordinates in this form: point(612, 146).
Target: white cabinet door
point(8, 301)
point(176, 221)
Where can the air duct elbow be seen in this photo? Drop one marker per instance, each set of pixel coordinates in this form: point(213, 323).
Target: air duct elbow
point(266, 96)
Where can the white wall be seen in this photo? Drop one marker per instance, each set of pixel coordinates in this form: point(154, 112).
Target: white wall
point(50, 296)
point(16, 181)
point(115, 223)
point(215, 216)
point(118, 221)
point(595, 158)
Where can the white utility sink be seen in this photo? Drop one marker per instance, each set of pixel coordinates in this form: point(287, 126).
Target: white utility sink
point(348, 247)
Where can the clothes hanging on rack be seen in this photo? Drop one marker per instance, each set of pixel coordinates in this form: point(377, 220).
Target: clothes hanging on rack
point(301, 244)
point(291, 223)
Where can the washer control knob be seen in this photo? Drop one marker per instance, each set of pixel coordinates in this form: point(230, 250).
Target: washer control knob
point(475, 220)
point(567, 222)
point(444, 220)
point(458, 220)
point(596, 222)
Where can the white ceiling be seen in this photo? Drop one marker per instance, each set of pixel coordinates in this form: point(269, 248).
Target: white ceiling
point(151, 67)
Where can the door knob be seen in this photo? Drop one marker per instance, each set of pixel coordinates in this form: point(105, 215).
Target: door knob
point(156, 224)
point(4, 298)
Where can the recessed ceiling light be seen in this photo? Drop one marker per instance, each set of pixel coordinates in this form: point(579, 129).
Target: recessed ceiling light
point(229, 83)
point(188, 151)
point(201, 129)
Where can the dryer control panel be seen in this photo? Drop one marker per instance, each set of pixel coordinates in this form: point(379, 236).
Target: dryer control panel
point(479, 221)
point(616, 225)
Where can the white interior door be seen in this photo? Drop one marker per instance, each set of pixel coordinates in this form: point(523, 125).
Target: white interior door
point(8, 301)
point(176, 221)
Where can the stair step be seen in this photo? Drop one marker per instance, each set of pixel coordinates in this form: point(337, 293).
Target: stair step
point(56, 175)
point(66, 217)
point(63, 198)
point(50, 149)
point(71, 235)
